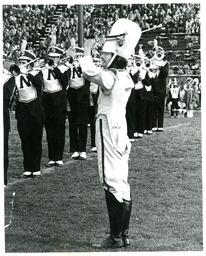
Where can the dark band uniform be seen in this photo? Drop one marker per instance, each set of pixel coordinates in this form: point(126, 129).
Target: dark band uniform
point(149, 104)
point(78, 95)
point(8, 91)
point(55, 105)
point(131, 106)
point(159, 88)
point(140, 92)
point(30, 117)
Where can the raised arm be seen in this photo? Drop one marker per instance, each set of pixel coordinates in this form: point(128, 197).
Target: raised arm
point(104, 78)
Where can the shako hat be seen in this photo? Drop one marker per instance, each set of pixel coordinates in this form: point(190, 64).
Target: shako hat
point(123, 38)
point(27, 55)
point(55, 51)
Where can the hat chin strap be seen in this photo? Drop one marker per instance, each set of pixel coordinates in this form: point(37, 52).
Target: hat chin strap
point(111, 60)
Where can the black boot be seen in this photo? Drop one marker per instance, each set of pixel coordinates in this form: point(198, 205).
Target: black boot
point(114, 208)
point(126, 213)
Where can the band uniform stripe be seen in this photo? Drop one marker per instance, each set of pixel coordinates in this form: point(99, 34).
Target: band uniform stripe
point(102, 146)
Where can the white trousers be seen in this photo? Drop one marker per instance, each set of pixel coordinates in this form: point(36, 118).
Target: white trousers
point(113, 148)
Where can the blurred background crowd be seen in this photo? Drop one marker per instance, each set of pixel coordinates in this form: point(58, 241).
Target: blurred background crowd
point(39, 26)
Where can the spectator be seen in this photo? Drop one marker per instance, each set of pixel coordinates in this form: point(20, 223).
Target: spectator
point(184, 16)
point(190, 93)
point(174, 99)
point(195, 93)
point(31, 20)
point(182, 99)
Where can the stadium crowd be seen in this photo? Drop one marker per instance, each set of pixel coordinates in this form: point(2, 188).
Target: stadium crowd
point(25, 24)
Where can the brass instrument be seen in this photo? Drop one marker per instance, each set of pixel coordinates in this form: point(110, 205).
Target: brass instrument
point(147, 63)
point(138, 60)
point(159, 53)
point(35, 67)
point(65, 59)
point(29, 63)
point(142, 62)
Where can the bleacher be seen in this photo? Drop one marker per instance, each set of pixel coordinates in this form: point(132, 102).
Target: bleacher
point(57, 13)
point(182, 49)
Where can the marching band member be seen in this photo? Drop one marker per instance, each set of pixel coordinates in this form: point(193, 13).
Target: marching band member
point(29, 113)
point(131, 103)
point(140, 92)
point(55, 104)
point(149, 98)
point(113, 145)
point(78, 97)
point(94, 93)
point(8, 92)
point(144, 96)
point(158, 74)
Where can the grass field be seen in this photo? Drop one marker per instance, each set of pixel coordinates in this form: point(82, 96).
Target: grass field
point(64, 210)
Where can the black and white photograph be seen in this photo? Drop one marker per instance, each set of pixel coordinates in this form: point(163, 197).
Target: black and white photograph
point(102, 127)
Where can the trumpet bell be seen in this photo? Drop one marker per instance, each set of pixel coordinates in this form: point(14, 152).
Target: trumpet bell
point(147, 63)
point(159, 53)
point(138, 60)
point(138, 63)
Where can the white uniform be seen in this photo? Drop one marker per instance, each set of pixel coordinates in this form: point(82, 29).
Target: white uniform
point(113, 144)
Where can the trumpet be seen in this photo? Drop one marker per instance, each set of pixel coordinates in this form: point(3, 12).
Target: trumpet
point(159, 53)
point(143, 63)
point(65, 59)
point(29, 63)
point(147, 63)
point(138, 60)
point(35, 67)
